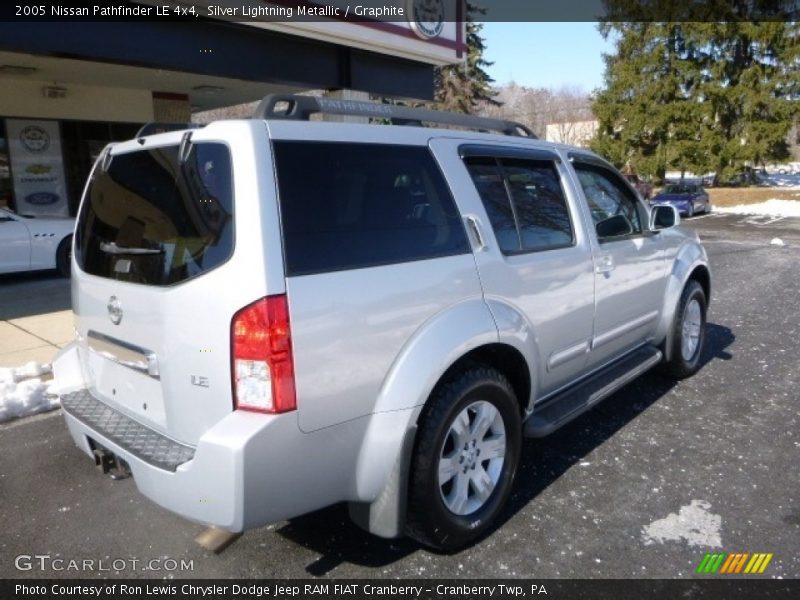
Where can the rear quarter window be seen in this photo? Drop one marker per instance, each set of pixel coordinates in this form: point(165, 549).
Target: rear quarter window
point(350, 206)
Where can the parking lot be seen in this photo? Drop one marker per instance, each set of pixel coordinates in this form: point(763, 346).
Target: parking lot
point(642, 486)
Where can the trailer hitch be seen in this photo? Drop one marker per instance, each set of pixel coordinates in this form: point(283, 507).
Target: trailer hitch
point(110, 464)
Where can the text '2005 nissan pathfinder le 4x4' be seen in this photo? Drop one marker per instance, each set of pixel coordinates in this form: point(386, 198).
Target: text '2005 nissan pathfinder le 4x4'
point(274, 315)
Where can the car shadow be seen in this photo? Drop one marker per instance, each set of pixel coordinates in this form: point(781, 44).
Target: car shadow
point(331, 534)
point(35, 293)
point(544, 460)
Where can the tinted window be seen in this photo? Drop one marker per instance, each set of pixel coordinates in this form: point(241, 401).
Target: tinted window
point(347, 206)
point(148, 218)
point(488, 179)
point(524, 201)
point(679, 188)
point(608, 196)
point(539, 204)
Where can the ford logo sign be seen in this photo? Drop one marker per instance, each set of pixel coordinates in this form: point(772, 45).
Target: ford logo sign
point(42, 198)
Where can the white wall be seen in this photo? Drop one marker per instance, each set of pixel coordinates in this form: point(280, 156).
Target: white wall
point(24, 98)
point(575, 133)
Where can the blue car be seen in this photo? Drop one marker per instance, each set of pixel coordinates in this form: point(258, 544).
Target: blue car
point(689, 198)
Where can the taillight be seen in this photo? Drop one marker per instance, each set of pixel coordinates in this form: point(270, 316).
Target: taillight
point(263, 368)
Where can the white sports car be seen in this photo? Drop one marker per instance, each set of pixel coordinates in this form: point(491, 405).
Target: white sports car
point(30, 243)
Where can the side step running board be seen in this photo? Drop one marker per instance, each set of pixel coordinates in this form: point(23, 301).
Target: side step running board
point(563, 408)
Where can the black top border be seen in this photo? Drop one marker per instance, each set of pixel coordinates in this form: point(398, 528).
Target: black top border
point(397, 11)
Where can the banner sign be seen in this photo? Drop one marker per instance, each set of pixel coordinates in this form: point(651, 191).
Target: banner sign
point(37, 167)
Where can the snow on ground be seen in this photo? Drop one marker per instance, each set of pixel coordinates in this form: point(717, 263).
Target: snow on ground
point(785, 181)
point(695, 524)
point(772, 208)
point(23, 393)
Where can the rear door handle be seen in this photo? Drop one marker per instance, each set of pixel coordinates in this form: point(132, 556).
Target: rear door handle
point(605, 264)
point(475, 231)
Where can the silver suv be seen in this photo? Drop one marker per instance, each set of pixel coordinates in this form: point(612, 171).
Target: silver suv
point(274, 315)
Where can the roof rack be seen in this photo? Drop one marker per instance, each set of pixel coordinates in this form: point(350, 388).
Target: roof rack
point(155, 127)
point(300, 108)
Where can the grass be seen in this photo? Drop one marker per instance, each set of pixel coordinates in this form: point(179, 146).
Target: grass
point(721, 196)
point(750, 195)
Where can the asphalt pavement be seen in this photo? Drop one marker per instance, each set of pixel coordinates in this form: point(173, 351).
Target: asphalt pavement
point(641, 486)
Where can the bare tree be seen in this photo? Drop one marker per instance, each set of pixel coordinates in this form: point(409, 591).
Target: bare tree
point(539, 107)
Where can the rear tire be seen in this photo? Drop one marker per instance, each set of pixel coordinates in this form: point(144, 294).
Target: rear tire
point(465, 458)
point(688, 332)
point(64, 256)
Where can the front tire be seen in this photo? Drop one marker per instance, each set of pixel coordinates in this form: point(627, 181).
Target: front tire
point(64, 256)
point(688, 332)
point(465, 458)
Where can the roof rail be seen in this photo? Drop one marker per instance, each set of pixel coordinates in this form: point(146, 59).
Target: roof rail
point(300, 108)
point(155, 127)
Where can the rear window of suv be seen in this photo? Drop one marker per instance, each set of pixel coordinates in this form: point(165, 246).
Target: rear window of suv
point(153, 219)
point(349, 206)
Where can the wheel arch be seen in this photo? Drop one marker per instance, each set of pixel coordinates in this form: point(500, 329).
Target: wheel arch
point(690, 263)
point(702, 275)
point(68, 242)
point(381, 479)
point(503, 358)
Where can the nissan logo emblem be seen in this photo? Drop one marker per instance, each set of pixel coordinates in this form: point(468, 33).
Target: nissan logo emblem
point(114, 310)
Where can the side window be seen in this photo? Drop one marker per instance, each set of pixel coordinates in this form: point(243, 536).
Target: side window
point(539, 204)
point(488, 179)
point(524, 201)
point(350, 206)
point(609, 198)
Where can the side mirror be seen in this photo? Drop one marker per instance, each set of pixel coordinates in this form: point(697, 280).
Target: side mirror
point(615, 226)
point(664, 216)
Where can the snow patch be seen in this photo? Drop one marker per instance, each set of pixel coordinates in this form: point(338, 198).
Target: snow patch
point(786, 180)
point(22, 393)
point(694, 524)
point(772, 208)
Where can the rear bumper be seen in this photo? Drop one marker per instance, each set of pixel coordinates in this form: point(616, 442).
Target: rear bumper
point(209, 487)
point(247, 470)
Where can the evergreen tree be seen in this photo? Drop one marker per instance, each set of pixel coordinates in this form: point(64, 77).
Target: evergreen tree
point(698, 96)
point(464, 87)
point(646, 111)
point(749, 91)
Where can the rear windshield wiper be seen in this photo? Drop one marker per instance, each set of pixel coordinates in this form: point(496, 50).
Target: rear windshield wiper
point(112, 248)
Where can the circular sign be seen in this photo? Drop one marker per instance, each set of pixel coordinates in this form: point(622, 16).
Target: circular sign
point(426, 17)
point(35, 139)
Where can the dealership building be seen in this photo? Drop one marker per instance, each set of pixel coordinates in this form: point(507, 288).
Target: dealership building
point(70, 86)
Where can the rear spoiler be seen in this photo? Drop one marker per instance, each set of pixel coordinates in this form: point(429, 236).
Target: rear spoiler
point(155, 127)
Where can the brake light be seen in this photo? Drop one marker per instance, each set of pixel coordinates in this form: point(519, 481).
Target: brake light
point(263, 367)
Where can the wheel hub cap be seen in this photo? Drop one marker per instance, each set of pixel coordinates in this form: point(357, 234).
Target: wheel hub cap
point(472, 457)
point(690, 330)
point(469, 455)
